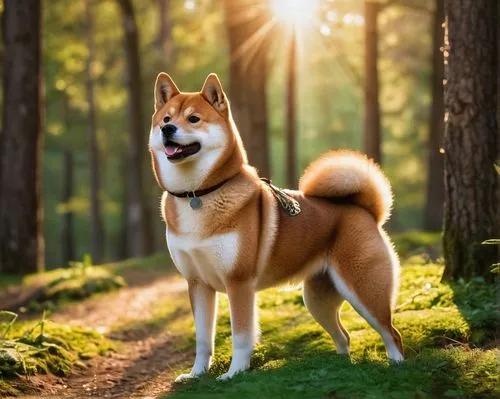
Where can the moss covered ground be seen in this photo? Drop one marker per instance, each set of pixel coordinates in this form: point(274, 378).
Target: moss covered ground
point(450, 334)
point(49, 290)
point(445, 329)
point(41, 347)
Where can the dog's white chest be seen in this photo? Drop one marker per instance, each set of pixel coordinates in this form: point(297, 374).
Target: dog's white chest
point(208, 259)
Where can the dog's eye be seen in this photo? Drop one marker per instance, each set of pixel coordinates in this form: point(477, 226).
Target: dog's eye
point(166, 119)
point(193, 119)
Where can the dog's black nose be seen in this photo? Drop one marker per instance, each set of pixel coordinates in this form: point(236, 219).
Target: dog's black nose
point(168, 130)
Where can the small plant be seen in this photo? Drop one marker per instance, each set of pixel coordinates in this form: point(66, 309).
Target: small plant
point(42, 347)
point(81, 280)
point(82, 267)
point(7, 315)
point(495, 267)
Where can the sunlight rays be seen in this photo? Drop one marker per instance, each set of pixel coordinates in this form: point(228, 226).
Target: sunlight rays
point(294, 12)
point(250, 47)
point(288, 17)
point(287, 20)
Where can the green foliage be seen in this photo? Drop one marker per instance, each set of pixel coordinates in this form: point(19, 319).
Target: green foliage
point(28, 348)
point(495, 267)
point(7, 279)
point(491, 241)
point(196, 39)
point(10, 318)
point(416, 242)
point(330, 97)
point(77, 282)
point(159, 263)
point(478, 303)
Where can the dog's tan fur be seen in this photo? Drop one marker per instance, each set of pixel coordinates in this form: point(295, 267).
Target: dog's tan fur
point(240, 242)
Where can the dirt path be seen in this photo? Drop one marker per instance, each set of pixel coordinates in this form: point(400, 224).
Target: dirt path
point(143, 364)
point(143, 369)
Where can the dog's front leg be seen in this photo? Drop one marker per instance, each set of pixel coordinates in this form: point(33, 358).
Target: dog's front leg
point(204, 306)
point(244, 327)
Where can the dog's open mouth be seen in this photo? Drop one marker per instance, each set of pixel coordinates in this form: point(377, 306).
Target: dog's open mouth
point(176, 151)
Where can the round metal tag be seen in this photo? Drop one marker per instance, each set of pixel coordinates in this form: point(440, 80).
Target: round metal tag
point(195, 203)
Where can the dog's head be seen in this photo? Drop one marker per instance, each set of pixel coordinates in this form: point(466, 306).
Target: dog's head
point(192, 134)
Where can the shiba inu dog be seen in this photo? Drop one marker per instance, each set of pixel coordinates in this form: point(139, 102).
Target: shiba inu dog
point(229, 231)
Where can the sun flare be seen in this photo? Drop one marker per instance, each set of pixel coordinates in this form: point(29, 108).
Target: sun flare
point(295, 12)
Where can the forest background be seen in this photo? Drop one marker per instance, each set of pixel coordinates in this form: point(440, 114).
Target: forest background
point(88, 43)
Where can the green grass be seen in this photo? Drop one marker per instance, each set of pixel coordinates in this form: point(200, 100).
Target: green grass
point(56, 287)
point(7, 279)
point(28, 348)
point(296, 358)
point(81, 280)
point(53, 288)
point(425, 243)
point(157, 264)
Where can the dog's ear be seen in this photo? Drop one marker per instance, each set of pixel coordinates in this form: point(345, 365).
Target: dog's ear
point(212, 91)
point(165, 89)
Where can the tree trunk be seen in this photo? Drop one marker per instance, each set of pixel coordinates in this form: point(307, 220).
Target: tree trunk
point(248, 44)
point(140, 233)
point(498, 74)
point(372, 129)
point(21, 207)
point(291, 114)
point(67, 237)
point(433, 218)
point(68, 246)
point(122, 250)
point(471, 140)
point(165, 44)
point(97, 230)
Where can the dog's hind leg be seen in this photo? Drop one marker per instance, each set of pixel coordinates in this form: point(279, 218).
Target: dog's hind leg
point(366, 273)
point(324, 301)
point(376, 314)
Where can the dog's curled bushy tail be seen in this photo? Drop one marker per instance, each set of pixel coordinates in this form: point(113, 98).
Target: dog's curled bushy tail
point(349, 174)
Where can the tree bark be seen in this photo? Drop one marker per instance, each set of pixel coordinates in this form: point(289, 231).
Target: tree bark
point(248, 26)
point(67, 237)
point(97, 229)
point(122, 250)
point(372, 129)
point(471, 140)
point(291, 114)
point(68, 245)
point(433, 217)
point(140, 234)
point(165, 44)
point(21, 207)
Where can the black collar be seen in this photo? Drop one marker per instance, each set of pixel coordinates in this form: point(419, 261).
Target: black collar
point(199, 193)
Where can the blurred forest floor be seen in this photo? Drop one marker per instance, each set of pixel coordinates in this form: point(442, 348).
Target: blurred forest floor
point(145, 357)
point(448, 332)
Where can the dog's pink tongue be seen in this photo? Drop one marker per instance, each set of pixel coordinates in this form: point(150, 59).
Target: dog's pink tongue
point(172, 149)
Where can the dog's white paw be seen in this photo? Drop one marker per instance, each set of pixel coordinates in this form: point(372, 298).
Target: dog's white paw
point(201, 365)
point(232, 372)
point(227, 376)
point(186, 377)
point(239, 363)
point(195, 373)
